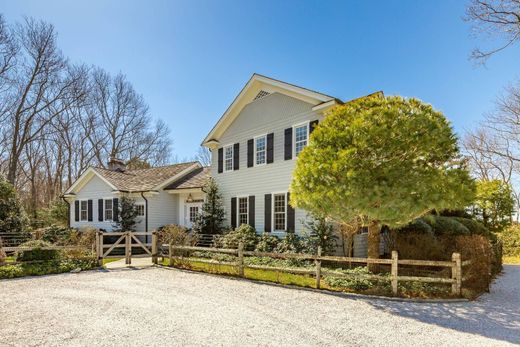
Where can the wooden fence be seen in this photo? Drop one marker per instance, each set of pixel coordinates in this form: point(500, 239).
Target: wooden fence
point(126, 240)
point(455, 265)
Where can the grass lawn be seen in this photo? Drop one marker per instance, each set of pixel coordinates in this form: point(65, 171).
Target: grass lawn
point(110, 260)
point(511, 260)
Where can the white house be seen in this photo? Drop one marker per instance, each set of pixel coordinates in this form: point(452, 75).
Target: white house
point(254, 146)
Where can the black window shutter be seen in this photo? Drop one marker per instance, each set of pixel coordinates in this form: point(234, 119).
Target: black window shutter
point(267, 213)
point(270, 148)
point(236, 156)
point(250, 152)
point(312, 125)
point(76, 211)
point(251, 210)
point(115, 206)
point(89, 210)
point(290, 215)
point(100, 210)
point(288, 144)
point(220, 160)
point(233, 213)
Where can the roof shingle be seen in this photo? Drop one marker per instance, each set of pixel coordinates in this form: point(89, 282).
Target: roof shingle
point(195, 179)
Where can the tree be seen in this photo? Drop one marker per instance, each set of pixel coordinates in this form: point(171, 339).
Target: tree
point(383, 161)
point(127, 214)
point(494, 204)
point(12, 215)
point(495, 18)
point(203, 156)
point(211, 217)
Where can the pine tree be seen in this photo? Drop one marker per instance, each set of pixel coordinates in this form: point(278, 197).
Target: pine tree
point(127, 214)
point(211, 217)
point(12, 215)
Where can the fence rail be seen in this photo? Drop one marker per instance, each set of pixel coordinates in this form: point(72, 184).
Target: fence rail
point(455, 265)
point(48, 248)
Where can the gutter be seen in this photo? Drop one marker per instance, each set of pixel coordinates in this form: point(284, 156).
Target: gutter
point(145, 215)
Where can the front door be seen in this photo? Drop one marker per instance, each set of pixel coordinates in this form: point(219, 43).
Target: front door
point(192, 211)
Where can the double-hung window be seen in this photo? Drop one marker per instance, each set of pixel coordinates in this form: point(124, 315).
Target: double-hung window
point(228, 158)
point(260, 150)
point(301, 137)
point(194, 212)
point(109, 209)
point(83, 210)
point(242, 211)
point(279, 209)
point(140, 210)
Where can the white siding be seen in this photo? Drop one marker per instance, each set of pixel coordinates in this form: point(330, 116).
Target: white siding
point(271, 114)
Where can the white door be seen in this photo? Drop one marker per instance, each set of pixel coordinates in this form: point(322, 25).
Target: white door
point(191, 212)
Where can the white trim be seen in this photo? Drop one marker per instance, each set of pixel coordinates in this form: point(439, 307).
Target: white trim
point(273, 230)
point(81, 210)
point(87, 174)
point(144, 209)
point(324, 107)
point(186, 190)
point(178, 176)
point(294, 156)
point(254, 150)
point(232, 146)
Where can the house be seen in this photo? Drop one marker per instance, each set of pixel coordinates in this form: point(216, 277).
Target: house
point(164, 195)
point(254, 147)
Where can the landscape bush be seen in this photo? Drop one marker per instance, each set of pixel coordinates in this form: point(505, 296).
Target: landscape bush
point(291, 243)
point(2, 253)
point(477, 249)
point(37, 253)
point(55, 234)
point(177, 235)
point(353, 283)
point(48, 267)
point(445, 225)
point(510, 238)
point(321, 235)
point(244, 233)
point(267, 243)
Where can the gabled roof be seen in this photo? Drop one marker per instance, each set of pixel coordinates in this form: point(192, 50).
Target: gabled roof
point(141, 180)
point(260, 85)
point(195, 179)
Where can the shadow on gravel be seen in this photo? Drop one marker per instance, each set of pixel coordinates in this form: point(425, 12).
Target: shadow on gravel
point(495, 315)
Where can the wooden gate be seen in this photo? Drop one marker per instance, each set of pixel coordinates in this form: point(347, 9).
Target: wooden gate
point(128, 240)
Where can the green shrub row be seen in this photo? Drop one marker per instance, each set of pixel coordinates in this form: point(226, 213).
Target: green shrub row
point(46, 267)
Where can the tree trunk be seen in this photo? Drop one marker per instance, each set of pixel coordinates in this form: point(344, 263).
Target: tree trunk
point(374, 239)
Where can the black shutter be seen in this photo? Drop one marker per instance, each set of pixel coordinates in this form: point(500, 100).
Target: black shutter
point(233, 213)
point(220, 160)
point(290, 215)
point(267, 213)
point(89, 210)
point(288, 144)
point(76, 211)
point(236, 156)
point(115, 206)
point(250, 152)
point(251, 210)
point(312, 125)
point(100, 210)
point(270, 148)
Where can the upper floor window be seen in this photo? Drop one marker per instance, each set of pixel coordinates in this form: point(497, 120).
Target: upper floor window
point(83, 210)
point(228, 158)
point(242, 211)
point(260, 150)
point(140, 210)
point(109, 209)
point(279, 209)
point(301, 137)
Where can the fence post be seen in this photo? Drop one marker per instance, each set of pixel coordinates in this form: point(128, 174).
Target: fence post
point(128, 256)
point(456, 274)
point(394, 271)
point(170, 254)
point(99, 248)
point(241, 259)
point(154, 247)
point(318, 268)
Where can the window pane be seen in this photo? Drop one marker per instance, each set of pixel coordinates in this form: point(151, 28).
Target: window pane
point(260, 150)
point(108, 209)
point(194, 211)
point(228, 158)
point(300, 139)
point(279, 212)
point(242, 211)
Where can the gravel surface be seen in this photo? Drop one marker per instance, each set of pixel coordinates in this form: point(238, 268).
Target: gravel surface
point(163, 307)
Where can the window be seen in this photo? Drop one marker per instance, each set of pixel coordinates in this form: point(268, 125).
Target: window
point(260, 150)
point(242, 211)
point(109, 209)
point(140, 210)
point(228, 158)
point(301, 135)
point(194, 211)
point(83, 210)
point(279, 212)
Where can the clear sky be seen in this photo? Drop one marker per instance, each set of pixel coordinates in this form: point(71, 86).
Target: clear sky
point(189, 59)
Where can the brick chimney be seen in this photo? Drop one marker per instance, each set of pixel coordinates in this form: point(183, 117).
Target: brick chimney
point(116, 164)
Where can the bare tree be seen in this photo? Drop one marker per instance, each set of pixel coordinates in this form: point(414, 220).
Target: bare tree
point(203, 156)
point(494, 18)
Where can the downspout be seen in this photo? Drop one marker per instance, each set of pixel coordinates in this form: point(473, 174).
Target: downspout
point(68, 211)
point(145, 215)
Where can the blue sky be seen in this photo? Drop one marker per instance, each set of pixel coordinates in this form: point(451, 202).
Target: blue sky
point(189, 59)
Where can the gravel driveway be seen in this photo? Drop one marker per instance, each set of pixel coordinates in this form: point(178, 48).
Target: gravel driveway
point(164, 307)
